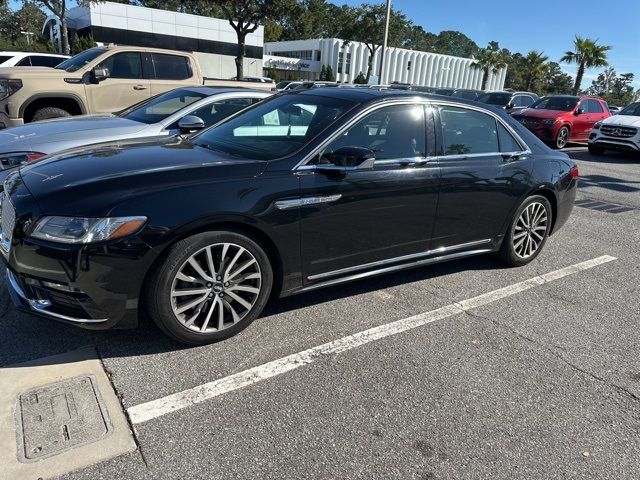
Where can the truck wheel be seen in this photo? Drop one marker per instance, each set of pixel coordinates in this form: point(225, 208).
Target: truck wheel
point(49, 112)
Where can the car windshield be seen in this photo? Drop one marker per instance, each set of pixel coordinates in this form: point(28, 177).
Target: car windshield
point(274, 128)
point(283, 84)
point(631, 110)
point(563, 104)
point(501, 99)
point(80, 60)
point(158, 108)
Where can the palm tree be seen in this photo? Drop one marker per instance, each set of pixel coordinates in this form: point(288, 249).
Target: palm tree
point(586, 54)
point(489, 60)
point(534, 67)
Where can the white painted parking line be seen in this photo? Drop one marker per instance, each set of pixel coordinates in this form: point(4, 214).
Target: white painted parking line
point(177, 401)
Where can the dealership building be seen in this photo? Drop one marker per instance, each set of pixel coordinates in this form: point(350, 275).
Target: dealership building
point(305, 58)
point(213, 40)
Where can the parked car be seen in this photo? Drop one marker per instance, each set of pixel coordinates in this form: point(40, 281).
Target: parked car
point(314, 84)
point(560, 119)
point(614, 110)
point(255, 79)
point(620, 132)
point(30, 59)
point(98, 80)
point(510, 101)
point(184, 109)
point(284, 197)
point(467, 94)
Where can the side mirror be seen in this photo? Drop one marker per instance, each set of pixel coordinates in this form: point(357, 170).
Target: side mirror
point(509, 106)
point(348, 158)
point(100, 74)
point(579, 111)
point(190, 123)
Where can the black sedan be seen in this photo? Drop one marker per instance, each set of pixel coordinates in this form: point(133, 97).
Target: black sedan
point(301, 191)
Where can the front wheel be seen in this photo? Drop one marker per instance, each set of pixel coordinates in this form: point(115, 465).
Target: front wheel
point(562, 138)
point(47, 113)
point(528, 232)
point(209, 287)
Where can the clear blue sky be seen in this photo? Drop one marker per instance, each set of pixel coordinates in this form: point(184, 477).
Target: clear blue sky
point(548, 25)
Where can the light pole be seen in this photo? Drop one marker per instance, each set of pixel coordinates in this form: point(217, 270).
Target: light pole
point(381, 78)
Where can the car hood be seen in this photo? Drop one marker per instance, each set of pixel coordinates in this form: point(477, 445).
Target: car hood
point(622, 121)
point(50, 136)
point(539, 114)
point(92, 181)
point(35, 72)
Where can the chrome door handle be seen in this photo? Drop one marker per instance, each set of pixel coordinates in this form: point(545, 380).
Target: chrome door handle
point(139, 87)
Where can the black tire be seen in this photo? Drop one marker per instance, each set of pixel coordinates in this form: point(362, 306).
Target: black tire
point(49, 112)
point(508, 253)
point(159, 284)
point(595, 150)
point(562, 138)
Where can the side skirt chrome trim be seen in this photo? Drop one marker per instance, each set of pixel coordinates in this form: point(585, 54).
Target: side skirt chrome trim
point(404, 266)
point(305, 201)
point(404, 258)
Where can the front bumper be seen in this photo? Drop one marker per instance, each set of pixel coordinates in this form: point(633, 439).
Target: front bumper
point(631, 144)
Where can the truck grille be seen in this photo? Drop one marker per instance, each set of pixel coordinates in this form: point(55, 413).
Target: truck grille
point(620, 132)
point(7, 222)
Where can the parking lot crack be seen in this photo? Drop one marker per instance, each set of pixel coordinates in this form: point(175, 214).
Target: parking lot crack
point(623, 390)
point(126, 413)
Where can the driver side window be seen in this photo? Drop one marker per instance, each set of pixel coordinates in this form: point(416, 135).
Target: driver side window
point(393, 132)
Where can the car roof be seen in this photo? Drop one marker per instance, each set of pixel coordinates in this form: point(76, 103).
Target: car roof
point(215, 90)
point(46, 54)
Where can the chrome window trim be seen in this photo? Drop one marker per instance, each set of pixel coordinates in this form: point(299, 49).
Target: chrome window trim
point(522, 143)
point(405, 101)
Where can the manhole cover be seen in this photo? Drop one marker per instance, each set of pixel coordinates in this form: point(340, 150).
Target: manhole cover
point(603, 206)
point(59, 416)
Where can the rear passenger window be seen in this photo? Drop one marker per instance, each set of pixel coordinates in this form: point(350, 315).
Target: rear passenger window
point(393, 132)
point(25, 62)
point(123, 65)
point(171, 67)
point(508, 144)
point(43, 61)
point(467, 131)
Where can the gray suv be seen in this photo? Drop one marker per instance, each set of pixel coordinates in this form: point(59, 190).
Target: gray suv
point(510, 101)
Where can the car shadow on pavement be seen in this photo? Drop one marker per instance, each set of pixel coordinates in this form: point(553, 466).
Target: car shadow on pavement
point(609, 157)
point(27, 337)
point(610, 183)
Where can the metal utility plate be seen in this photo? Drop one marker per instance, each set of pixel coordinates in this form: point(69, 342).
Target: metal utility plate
point(59, 416)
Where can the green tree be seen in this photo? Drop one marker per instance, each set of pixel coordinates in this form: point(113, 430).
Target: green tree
point(59, 9)
point(555, 80)
point(272, 31)
point(450, 42)
point(587, 53)
point(489, 60)
point(323, 72)
point(368, 28)
point(360, 79)
point(533, 69)
point(245, 16)
point(330, 77)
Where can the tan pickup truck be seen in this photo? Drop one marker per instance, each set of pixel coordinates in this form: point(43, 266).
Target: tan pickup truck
point(99, 80)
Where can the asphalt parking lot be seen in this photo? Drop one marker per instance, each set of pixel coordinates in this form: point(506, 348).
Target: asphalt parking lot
point(466, 370)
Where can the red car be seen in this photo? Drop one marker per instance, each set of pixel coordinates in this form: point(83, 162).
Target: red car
point(560, 119)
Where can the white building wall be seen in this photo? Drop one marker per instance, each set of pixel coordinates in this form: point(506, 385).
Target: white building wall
point(427, 69)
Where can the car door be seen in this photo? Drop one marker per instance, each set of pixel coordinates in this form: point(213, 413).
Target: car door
point(484, 171)
point(124, 87)
point(359, 219)
point(171, 71)
point(597, 112)
point(582, 121)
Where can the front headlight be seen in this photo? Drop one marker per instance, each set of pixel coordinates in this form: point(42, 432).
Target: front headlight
point(597, 125)
point(549, 121)
point(9, 86)
point(14, 159)
point(85, 230)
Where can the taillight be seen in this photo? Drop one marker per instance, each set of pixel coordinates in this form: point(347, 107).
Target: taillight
point(32, 157)
point(574, 172)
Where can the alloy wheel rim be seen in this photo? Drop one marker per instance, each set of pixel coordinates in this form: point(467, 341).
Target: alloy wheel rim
point(530, 230)
point(216, 287)
point(562, 137)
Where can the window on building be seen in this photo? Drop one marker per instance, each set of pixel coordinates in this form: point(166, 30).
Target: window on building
point(347, 66)
point(171, 67)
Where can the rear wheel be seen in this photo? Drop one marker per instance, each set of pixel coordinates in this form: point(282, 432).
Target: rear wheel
point(210, 287)
point(562, 138)
point(49, 112)
point(595, 150)
point(528, 231)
